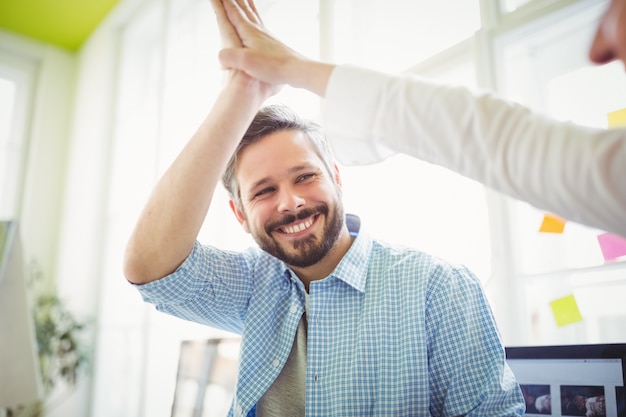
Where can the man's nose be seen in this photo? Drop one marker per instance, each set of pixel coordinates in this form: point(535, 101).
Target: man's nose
point(601, 50)
point(289, 200)
point(606, 43)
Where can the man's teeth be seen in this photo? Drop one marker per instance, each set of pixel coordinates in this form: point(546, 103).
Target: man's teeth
point(298, 227)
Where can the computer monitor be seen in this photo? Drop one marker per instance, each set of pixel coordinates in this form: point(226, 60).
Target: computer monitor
point(571, 380)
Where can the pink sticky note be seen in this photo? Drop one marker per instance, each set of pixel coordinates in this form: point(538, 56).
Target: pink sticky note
point(612, 246)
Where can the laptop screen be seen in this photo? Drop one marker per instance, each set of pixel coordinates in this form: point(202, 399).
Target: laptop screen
point(572, 380)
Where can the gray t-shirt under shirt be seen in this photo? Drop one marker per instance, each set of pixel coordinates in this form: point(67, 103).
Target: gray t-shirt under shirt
point(286, 397)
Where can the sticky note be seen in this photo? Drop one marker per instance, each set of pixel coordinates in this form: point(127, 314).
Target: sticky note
point(566, 311)
point(612, 246)
point(552, 224)
point(617, 118)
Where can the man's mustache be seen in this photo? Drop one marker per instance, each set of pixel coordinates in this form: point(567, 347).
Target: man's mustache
point(290, 218)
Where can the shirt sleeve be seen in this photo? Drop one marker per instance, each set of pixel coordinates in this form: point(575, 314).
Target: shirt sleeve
point(570, 170)
point(210, 287)
point(467, 367)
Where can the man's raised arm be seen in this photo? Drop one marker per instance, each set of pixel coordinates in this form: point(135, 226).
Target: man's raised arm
point(171, 220)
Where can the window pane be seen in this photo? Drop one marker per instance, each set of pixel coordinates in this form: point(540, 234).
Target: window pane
point(422, 205)
point(16, 83)
point(545, 66)
point(392, 35)
point(566, 87)
point(406, 201)
point(511, 5)
point(9, 152)
point(137, 115)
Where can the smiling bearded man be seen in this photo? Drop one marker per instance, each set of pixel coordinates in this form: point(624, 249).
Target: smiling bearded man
point(332, 321)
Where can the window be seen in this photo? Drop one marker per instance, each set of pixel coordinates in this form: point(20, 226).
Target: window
point(9, 158)
point(393, 35)
point(548, 267)
point(16, 84)
point(403, 200)
point(168, 77)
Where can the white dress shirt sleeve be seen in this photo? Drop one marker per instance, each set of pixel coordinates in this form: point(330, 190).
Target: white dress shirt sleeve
point(576, 172)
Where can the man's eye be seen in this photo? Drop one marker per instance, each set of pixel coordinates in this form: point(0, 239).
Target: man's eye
point(263, 192)
point(305, 177)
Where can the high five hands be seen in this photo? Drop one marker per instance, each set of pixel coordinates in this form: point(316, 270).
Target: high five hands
point(251, 48)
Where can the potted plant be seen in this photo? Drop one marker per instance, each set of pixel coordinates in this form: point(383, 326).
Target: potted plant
point(61, 355)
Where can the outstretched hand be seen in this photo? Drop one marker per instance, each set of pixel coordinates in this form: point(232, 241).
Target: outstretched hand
point(259, 54)
point(231, 40)
point(252, 49)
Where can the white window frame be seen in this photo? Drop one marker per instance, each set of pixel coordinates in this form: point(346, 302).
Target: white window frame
point(22, 72)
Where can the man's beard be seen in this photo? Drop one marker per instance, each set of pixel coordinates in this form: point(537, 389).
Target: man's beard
point(310, 249)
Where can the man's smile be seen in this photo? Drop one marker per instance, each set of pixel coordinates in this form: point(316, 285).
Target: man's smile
point(299, 226)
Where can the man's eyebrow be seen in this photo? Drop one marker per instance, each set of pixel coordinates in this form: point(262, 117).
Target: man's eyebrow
point(259, 183)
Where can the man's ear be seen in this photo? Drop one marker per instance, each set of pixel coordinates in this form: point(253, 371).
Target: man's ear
point(337, 176)
point(241, 218)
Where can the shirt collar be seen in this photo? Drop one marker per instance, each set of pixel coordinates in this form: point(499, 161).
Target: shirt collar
point(354, 265)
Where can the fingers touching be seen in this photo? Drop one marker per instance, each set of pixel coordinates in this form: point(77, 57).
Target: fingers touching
point(247, 9)
point(255, 12)
point(228, 34)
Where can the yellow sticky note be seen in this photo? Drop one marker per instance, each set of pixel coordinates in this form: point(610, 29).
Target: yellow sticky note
point(617, 118)
point(566, 311)
point(552, 224)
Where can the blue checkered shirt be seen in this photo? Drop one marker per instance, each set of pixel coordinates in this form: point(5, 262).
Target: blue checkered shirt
point(391, 332)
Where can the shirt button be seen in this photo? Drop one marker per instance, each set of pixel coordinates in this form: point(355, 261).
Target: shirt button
point(293, 309)
point(276, 362)
point(239, 410)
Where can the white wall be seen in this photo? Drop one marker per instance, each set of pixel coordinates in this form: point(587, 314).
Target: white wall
point(44, 176)
point(47, 141)
point(66, 177)
point(81, 223)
